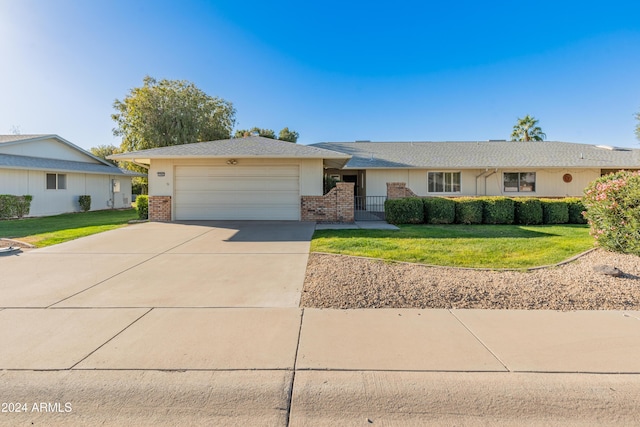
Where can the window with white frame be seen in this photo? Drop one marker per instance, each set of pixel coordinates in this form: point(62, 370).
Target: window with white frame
point(444, 182)
point(56, 181)
point(519, 182)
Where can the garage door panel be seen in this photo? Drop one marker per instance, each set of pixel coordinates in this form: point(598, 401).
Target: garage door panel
point(248, 198)
point(237, 192)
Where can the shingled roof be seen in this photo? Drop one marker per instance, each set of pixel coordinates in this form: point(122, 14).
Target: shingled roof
point(249, 147)
point(483, 154)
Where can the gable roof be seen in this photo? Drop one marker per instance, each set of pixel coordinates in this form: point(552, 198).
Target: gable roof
point(482, 154)
point(249, 147)
point(11, 161)
point(15, 161)
point(21, 139)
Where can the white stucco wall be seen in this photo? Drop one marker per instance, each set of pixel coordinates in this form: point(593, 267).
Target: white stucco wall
point(51, 202)
point(549, 182)
point(310, 172)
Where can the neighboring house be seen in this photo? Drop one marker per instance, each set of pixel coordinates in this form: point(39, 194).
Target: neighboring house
point(492, 168)
point(251, 178)
point(56, 172)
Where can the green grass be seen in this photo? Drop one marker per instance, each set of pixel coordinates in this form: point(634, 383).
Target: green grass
point(50, 230)
point(480, 246)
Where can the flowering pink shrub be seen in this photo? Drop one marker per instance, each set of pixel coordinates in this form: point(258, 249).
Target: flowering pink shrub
point(612, 205)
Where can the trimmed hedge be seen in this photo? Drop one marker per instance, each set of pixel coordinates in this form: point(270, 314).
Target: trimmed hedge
point(439, 210)
point(142, 206)
point(555, 211)
point(528, 211)
point(478, 210)
point(498, 210)
point(14, 206)
point(469, 210)
point(404, 211)
point(85, 202)
point(576, 208)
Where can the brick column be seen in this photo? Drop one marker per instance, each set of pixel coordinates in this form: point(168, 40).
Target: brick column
point(345, 201)
point(335, 206)
point(160, 208)
point(399, 190)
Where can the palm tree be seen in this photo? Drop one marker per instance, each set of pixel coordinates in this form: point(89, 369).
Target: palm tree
point(527, 129)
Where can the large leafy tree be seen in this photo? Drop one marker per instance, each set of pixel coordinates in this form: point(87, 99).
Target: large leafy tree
point(284, 135)
point(102, 151)
point(527, 129)
point(170, 112)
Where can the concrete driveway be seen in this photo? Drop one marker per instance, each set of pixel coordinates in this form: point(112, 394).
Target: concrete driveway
point(194, 264)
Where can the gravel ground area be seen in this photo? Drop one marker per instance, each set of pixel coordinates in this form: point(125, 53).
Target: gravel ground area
point(338, 281)
point(5, 243)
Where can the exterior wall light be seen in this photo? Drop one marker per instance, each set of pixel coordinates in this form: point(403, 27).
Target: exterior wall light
point(232, 162)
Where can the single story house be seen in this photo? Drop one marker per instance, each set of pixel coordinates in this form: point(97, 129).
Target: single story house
point(56, 172)
point(252, 178)
point(483, 168)
point(261, 178)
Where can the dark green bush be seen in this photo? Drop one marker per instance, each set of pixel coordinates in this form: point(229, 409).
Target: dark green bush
point(498, 210)
point(613, 211)
point(576, 207)
point(14, 206)
point(528, 211)
point(555, 211)
point(439, 210)
point(85, 202)
point(469, 210)
point(404, 211)
point(142, 206)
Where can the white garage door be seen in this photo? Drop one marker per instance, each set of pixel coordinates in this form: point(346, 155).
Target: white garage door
point(237, 192)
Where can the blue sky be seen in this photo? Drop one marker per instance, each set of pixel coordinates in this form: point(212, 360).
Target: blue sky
point(331, 70)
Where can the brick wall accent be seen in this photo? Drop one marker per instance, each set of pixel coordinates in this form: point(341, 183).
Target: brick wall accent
point(335, 206)
point(160, 208)
point(399, 190)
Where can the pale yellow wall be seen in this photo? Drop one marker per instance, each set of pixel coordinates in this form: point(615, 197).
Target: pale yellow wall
point(49, 148)
point(549, 182)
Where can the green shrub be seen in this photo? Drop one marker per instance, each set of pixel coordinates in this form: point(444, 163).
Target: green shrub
point(142, 205)
point(576, 208)
point(85, 202)
point(439, 210)
point(528, 211)
point(404, 211)
point(14, 206)
point(612, 205)
point(498, 210)
point(469, 210)
point(555, 211)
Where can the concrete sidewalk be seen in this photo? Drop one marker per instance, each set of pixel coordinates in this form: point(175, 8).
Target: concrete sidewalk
point(199, 324)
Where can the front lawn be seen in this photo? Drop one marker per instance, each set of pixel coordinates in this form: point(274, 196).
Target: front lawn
point(50, 230)
point(481, 246)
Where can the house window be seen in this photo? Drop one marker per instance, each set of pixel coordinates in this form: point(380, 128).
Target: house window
point(519, 182)
point(56, 181)
point(444, 182)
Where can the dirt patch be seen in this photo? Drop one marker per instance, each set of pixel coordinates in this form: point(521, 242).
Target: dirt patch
point(337, 281)
point(5, 243)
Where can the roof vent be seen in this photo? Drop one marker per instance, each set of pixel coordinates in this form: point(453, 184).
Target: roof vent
point(497, 140)
point(363, 140)
point(611, 148)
